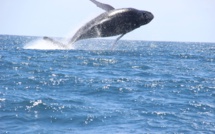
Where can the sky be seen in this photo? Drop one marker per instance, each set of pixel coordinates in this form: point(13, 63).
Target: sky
point(175, 20)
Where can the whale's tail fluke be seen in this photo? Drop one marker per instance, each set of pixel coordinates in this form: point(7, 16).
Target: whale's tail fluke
point(55, 42)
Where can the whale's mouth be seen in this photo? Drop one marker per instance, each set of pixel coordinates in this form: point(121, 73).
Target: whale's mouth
point(149, 16)
point(146, 17)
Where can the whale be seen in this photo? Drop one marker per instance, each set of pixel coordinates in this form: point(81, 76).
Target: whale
point(112, 22)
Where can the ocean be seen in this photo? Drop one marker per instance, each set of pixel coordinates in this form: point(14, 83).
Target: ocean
point(138, 87)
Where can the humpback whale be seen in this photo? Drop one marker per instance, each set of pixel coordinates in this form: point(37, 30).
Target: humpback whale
point(112, 22)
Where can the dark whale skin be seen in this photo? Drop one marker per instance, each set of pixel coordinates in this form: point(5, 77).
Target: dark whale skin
point(112, 23)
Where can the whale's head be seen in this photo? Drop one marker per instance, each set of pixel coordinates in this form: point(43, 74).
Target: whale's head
point(146, 17)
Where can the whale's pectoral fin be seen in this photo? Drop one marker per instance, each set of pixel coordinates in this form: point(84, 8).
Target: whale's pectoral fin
point(55, 42)
point(114, 44)
point(106, 7)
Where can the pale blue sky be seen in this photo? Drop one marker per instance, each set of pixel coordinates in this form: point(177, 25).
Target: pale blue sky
point(175, 20)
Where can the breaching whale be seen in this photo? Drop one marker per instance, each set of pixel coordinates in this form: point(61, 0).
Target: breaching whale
point(110, 23)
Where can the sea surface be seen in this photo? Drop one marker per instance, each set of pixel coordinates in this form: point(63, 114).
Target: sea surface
point(137, 87)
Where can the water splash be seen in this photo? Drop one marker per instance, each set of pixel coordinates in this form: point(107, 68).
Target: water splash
point(41, 44)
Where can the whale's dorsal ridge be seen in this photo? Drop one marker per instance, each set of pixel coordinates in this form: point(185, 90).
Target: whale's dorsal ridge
point(103, 6)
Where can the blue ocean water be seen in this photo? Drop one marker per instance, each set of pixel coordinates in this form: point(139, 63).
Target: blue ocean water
point(139, 87)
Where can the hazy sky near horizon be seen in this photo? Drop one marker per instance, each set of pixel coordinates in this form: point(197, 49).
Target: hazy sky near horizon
point(175, 20)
